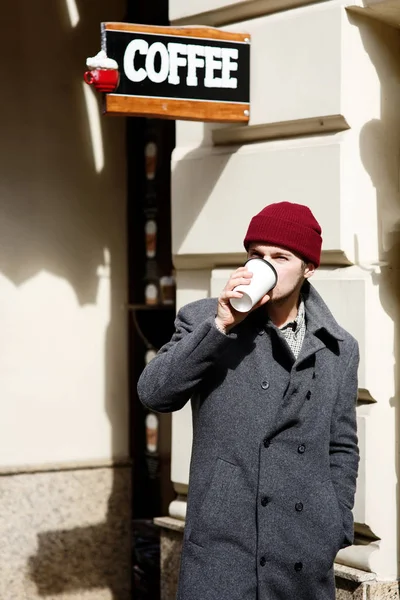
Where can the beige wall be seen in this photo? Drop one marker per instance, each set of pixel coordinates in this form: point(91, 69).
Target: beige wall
point(65, 529)
point(63, 368)
point(335, 78)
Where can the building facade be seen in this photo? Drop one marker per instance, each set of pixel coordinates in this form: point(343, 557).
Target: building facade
point(64, 450)
point(324, 131)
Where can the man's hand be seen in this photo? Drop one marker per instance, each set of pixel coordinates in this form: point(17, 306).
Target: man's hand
point(227, 317)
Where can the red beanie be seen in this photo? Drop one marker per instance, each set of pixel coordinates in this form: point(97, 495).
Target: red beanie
point(289, 225)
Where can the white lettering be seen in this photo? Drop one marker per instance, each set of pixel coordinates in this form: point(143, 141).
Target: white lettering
point(211, 54)
point(195, 61)
point(169, 59)
point(134, 46)
point(162, 74)
point(176, 61)
point(229, 55)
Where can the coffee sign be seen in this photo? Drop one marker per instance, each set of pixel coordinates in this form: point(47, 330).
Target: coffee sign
point(195, 73)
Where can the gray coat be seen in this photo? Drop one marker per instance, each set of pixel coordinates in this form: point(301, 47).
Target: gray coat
point(275, 456)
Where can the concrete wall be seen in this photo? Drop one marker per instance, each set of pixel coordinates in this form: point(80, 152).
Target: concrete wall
point(63, 352)
point(311, 66)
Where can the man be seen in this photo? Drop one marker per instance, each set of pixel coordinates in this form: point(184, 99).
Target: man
point(275, 457)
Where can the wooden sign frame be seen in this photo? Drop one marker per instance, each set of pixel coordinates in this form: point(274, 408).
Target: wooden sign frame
point(179, 108)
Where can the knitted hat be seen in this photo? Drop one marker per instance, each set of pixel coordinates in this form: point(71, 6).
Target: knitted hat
point(292, 226)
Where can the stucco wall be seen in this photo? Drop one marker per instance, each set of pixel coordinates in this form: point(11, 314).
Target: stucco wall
point(64, 509)
point(63, 355)
point(310, 65)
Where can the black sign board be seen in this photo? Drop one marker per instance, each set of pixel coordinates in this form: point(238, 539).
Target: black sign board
point(179, 73)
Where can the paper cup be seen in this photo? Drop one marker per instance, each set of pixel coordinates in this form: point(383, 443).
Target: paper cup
point(151, 238)
point(151, 160)
point(151, 432)
point(167, 285)
point(151, 294)
point(264, 280)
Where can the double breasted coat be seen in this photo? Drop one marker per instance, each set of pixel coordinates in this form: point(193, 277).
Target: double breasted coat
point(274, 458)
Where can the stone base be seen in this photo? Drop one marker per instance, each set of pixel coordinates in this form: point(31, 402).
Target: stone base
point(370, 590)
point(66, 535)
point(170, 554)
point(351, 584)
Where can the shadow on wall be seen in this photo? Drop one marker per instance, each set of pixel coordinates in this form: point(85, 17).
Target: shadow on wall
point(186, 213)
point(380, 154)
point(88, 558)
point(58, 214)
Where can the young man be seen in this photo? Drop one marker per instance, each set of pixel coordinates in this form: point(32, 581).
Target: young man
point(275, 456)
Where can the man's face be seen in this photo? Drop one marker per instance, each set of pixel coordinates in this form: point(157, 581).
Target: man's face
point(290, 268)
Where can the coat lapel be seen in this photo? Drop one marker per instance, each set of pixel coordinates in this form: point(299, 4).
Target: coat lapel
point(274, 358)
point(322, 334)
point(311, 345)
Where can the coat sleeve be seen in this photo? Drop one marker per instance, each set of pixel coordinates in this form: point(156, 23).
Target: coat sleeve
point(167, 382)
point(344, 453)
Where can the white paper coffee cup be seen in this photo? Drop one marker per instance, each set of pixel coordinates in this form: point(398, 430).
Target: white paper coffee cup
point(151, 432)
point(264, 280)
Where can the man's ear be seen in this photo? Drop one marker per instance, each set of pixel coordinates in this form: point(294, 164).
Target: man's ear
point(309, 270)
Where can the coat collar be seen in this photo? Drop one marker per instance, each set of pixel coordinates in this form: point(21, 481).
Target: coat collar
point(319, 317)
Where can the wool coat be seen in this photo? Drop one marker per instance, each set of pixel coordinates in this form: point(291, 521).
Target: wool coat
point(275, 455)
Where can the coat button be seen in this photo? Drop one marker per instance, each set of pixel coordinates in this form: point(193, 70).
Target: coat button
point(265, 385)
point(264, 500)
point(263, 561)
point(299, 506)
point(308, 395)
point(301, 449)
point(267, 443)
point(298, 566)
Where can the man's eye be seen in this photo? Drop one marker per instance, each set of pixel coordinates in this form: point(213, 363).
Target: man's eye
point(281, 257)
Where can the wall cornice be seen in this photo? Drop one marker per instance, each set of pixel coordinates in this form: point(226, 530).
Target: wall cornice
point(242, 11)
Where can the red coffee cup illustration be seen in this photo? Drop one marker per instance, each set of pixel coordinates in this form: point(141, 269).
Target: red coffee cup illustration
point(104, 80)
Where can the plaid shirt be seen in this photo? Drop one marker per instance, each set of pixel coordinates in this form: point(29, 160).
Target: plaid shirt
point(294, 331)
